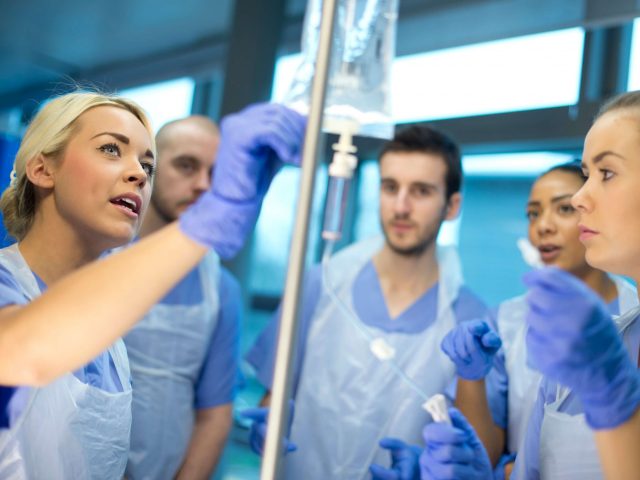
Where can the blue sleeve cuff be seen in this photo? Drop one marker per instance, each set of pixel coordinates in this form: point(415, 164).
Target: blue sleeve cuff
point(10, 291)
point(497, 385)
point(220, 377)
point(262, 355)
point(498, 472)
point(6, 393)
point(468, 306)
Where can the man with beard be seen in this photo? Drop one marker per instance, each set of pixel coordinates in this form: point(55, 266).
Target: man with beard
point(406, 293)
point(184, 353)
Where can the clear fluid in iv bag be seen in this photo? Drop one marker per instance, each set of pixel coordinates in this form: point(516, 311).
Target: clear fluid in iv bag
point(362, 51)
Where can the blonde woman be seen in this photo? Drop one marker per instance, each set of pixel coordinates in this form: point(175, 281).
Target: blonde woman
point(82, 183)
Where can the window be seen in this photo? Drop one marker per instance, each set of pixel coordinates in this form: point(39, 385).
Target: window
point(275, 226)
point(529, 72)
point(529, 164)
point(283, 76)
point(634, 67)
point(163, 101)
point(536, 71)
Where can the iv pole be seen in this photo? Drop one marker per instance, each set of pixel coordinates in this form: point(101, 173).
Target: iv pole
point(281, 388)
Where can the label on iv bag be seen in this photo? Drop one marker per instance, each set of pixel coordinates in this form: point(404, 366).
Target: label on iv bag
point(381, 349)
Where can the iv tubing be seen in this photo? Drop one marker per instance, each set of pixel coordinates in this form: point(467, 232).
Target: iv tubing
point(282, 375)
point(353, 318)
point(340, 173)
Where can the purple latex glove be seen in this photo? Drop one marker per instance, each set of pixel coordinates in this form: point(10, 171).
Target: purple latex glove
point(254, 144)
point(453, 451)
point(258, 431)
point(573, 340)
point(404, 461)
point(471, 345)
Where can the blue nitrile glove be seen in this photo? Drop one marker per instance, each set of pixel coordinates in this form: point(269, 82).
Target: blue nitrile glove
point(471, 345)
point(504, 460)
point(254, 144)
point(404, 461)
point(258, 431)
point(573, 340)
point(453, 451)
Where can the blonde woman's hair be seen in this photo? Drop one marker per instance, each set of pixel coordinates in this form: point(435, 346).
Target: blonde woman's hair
point(624, 101)
point(48, 134)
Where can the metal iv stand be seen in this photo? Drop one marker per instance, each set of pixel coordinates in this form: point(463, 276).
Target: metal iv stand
point(281, 388)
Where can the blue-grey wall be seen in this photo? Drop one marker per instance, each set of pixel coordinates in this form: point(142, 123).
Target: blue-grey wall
point(8, 149)
point(493, 219)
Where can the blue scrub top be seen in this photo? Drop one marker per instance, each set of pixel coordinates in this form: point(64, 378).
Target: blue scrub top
point(371, 308)
point(100, 372)
point(218, 380)
point(220, 376)
point(6, 394)
point(9, 295)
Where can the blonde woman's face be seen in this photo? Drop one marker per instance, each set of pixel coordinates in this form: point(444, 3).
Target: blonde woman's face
point(609, 202)
point(102, 183)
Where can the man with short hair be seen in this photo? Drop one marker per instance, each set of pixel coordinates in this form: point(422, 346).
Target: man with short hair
point(184, 353)
point(406, 294)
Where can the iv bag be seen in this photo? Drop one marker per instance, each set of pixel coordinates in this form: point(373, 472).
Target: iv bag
point(363, 47)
